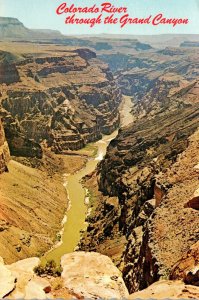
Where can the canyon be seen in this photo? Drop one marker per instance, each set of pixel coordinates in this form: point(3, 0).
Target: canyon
point(58, 97)
point(141, 188)
point(54, 115)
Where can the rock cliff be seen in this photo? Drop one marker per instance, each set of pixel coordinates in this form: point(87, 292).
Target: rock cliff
point(151, 76)
point(143, 194)
point(84, 275)
point(66, 97)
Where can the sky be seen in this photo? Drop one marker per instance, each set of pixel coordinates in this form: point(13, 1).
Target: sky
point(41, 14)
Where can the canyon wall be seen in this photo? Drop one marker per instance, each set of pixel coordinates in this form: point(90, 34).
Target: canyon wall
point(150, 76)
point(52, 100)
point(135, 203)
point(66, 98)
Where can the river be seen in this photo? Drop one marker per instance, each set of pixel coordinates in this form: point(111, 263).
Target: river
point(74, 220)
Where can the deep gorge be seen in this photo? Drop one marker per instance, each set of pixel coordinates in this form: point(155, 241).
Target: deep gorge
point(57, 99)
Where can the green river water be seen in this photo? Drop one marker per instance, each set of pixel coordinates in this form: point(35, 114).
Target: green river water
point(74, 220)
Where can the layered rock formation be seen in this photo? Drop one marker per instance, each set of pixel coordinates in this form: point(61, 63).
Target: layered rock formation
point(151, 76)
point(56, 99)
point(13, 29)
point(171, 229)
point(146, 209)
point(67, 98)
point(11, 26)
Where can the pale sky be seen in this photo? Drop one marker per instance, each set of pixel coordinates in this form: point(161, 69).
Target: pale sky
point(41, 14)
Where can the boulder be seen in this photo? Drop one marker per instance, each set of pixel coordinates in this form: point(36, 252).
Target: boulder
point(92, 275)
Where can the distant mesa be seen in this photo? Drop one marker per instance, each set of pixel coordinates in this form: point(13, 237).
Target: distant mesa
point(12, 28)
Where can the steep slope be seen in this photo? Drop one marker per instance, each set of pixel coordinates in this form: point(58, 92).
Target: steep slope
point(32, 207)
point(173, 226)
point(65, 97)
point(27, 198)
point(128, 181)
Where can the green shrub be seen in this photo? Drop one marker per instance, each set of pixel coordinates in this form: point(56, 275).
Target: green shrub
point(50, 268)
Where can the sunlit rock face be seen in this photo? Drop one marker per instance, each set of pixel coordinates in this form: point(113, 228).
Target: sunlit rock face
point(66, 98)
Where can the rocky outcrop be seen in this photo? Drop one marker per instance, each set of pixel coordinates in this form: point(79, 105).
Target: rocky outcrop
point(27, 285)
point(68, 100)
point(19, 144)
point(92, 275)
point(84, 275)
point(194, 201)
point(160, 249)
point(4, 150)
